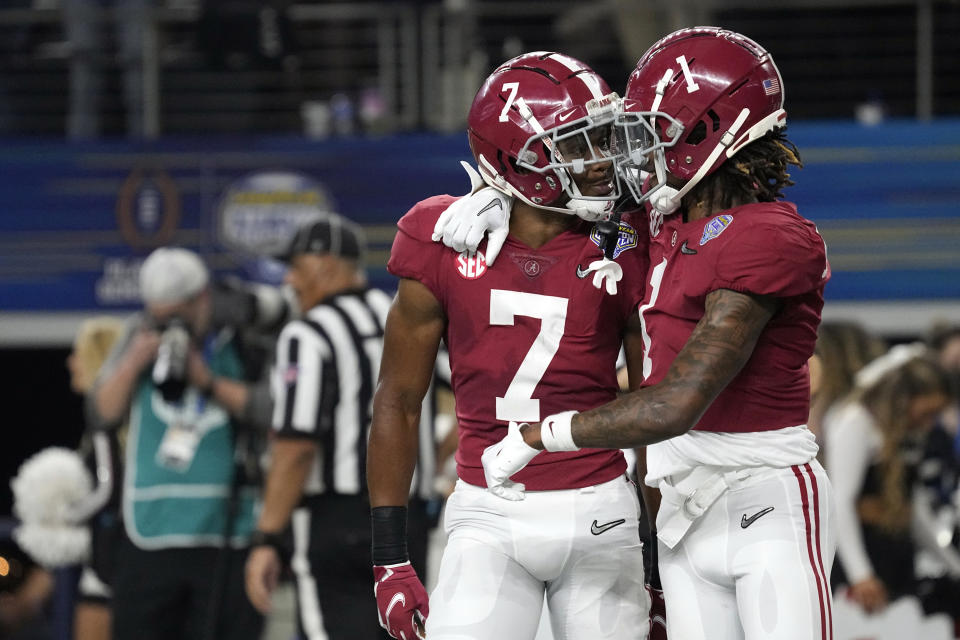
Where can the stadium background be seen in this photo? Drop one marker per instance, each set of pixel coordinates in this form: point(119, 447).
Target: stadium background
point(360, 105)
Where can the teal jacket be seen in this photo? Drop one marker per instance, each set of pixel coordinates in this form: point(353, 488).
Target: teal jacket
point(184, 503)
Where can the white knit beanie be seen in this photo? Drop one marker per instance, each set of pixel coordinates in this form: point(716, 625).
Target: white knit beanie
point(172, 274)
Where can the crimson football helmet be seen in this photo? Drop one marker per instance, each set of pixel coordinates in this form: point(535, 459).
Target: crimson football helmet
point(696, 98)
point(537, 120)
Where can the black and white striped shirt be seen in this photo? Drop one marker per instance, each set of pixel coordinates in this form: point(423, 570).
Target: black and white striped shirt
point(323, 383)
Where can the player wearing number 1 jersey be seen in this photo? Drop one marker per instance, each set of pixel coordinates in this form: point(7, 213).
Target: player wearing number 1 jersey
point(734, 295)
point(528, 337)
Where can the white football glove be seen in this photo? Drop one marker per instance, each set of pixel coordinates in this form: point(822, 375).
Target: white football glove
point(505, 458)
point(482, 211)
point(607, 272)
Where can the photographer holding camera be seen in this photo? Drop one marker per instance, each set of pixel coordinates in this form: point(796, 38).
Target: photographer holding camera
point(187, 510)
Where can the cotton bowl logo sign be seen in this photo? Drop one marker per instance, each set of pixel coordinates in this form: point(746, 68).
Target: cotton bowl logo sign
point(259, 213)
point(148, 215)
point(148, 208)
point(626, 238)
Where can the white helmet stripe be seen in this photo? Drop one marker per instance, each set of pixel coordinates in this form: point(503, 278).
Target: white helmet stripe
point(589, 79)
point(527, 114)
point(661, 88)
point(783, 90)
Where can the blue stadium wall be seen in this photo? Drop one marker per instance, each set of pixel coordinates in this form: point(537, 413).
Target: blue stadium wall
point(886, 198)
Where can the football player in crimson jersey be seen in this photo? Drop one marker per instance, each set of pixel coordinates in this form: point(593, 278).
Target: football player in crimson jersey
point(536, 334)
point(735, 290)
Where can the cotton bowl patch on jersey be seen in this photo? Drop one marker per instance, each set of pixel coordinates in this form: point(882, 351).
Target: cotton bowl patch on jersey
point(715, 227)
point(471, 267)
point(626, 238)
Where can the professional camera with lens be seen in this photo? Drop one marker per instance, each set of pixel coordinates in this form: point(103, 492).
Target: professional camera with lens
point(170, 368)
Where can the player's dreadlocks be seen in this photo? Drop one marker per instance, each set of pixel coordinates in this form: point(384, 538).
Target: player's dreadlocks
point(759, 172)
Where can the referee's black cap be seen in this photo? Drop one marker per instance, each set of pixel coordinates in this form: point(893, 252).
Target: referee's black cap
point(330, 235)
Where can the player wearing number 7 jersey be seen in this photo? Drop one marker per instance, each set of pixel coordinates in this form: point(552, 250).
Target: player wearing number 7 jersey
point(735, 290)
point(528, 337)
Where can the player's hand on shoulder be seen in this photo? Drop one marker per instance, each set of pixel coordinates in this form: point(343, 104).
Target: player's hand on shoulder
point(483, 211)
point(505, 458)
point(402, 601)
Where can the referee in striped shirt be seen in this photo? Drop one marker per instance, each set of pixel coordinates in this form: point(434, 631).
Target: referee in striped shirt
point(326, 370)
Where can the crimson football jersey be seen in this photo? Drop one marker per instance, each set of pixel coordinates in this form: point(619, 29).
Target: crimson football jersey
point(765, 249)
point(528, 337)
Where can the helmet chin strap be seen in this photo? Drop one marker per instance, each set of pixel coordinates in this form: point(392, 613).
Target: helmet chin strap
point(667, 199)
point(664, 199)
point(589, 210)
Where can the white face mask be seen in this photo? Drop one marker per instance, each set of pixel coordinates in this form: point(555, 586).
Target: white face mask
point(601, 114)
point(642, 153)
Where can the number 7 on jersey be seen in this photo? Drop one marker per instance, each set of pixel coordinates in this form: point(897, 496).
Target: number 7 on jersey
point(518, 403)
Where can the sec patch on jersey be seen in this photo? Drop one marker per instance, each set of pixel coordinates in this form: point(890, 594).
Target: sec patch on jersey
point(471, 267)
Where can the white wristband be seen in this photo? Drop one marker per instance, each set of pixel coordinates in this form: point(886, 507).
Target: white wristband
point(555, 432)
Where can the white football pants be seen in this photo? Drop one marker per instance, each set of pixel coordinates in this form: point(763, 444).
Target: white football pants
point(580, 546)
point(756, 565)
